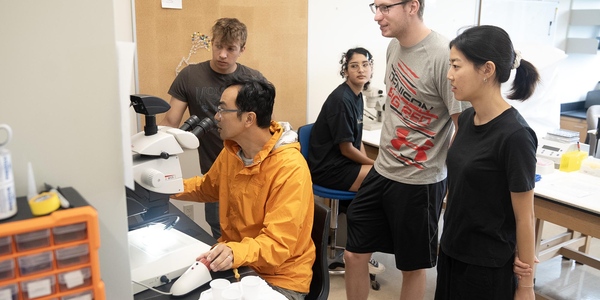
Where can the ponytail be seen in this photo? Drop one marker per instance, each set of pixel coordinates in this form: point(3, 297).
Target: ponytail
point(525, 81)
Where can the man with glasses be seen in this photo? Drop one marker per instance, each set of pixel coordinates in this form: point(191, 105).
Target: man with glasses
point(199, 87)
point(397, 208)
point(264, 186)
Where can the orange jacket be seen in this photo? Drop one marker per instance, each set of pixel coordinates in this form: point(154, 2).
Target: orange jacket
point(266, 209)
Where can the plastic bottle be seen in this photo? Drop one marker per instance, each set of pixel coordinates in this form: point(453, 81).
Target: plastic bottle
point(8, 197)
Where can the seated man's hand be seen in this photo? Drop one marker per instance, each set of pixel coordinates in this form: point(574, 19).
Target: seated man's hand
point(220, 258)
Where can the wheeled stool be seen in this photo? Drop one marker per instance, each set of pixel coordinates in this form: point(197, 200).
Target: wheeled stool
point(335, 253)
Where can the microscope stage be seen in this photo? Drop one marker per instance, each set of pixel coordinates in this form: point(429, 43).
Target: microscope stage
point(154, 252)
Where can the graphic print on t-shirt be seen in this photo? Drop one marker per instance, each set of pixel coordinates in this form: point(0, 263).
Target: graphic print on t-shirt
point(413, 114)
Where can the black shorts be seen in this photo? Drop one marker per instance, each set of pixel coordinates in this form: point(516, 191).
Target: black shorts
point(401, 219)
point(340, 178)
point(458, 280)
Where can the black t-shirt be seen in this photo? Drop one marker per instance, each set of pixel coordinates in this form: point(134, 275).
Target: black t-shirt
point(340, 120)
point(201, 88)
point(485, 164)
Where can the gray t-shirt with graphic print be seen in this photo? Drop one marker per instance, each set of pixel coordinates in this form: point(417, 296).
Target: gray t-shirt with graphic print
point(417, 127)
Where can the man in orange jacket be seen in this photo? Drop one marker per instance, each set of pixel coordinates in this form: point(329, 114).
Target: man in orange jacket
point(264, 189)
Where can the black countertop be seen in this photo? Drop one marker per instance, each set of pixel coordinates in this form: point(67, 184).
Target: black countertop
point(189, 227)
point(573, 109)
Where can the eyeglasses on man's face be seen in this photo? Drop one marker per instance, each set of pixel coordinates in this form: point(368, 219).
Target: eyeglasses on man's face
point(356, 66)
point(384, 9)
point(221, 110)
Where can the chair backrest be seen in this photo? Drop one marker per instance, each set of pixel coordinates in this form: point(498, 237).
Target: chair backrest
point(304, 138)
point(319, 286)
point(592, 116)
point(593, 123)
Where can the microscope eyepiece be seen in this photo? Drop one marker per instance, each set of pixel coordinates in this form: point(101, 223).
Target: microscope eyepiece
point(198, 127)
point(206, 125)
point(190, 123)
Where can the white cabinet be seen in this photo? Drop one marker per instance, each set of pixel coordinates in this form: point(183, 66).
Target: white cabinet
point(584, 27)
point(584, 21)
point(526, 21)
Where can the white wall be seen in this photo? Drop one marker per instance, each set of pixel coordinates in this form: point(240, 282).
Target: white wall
point(335, 26)
point(59, 93)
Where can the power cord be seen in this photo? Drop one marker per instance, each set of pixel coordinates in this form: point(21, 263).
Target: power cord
point(151, 288)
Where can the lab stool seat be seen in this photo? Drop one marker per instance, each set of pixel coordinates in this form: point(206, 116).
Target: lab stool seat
point(335, 253)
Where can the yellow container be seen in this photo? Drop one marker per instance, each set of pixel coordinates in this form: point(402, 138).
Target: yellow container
point(571, 161)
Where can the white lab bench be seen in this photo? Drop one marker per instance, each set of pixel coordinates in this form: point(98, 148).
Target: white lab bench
point(370, 139)
point(570, 200)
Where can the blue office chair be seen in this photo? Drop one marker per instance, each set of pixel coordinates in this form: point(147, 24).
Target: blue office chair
point(334, 197)
point(335, 253)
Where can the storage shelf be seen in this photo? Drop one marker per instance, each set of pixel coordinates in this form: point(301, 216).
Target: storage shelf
point(582, 45)
point(585, 17)
point(584, 21)
point(93, 284)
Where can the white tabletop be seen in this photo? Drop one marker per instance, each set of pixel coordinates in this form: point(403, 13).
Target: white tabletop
point(575, 189)
point(371, 137)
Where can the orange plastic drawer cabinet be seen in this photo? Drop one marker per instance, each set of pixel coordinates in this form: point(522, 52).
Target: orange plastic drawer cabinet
point(53, 256)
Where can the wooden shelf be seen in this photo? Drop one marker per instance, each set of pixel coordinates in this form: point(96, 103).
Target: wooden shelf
point(575, 124)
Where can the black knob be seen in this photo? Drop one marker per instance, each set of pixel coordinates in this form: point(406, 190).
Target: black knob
point(164, 279)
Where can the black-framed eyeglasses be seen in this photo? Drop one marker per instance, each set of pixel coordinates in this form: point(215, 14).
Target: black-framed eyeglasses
point(384, 9)
point(221, 110)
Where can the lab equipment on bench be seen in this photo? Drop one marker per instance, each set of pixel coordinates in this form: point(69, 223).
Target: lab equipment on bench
point(558, 142)
point(158, 252)
point(156, 168)
point(194, 277)
point(375, 99)
point(553, 150)
point(158, 256)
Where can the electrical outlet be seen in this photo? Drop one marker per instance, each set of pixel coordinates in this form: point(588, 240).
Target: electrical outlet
point(188, 210)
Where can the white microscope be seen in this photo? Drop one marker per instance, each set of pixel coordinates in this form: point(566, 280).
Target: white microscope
point(375, 98)
point(156, 168)
point(158, 252)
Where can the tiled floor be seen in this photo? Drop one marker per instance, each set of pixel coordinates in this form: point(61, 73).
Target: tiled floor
point(556, 278)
